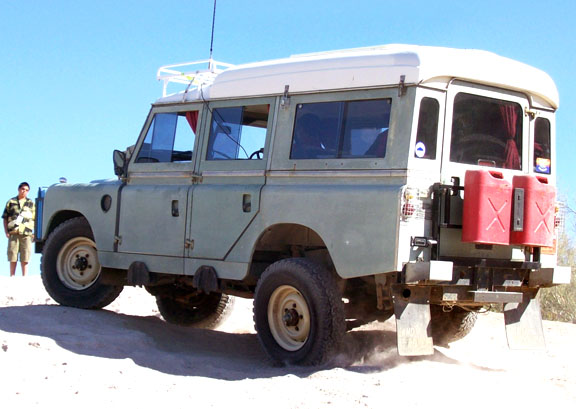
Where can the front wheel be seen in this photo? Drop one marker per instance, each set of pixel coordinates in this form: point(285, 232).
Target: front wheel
point(71, 272)
point(298, 313)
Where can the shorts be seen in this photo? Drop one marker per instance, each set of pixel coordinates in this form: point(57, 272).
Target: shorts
point(19, 243)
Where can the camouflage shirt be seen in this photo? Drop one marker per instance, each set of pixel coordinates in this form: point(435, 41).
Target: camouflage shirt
point(20, 219)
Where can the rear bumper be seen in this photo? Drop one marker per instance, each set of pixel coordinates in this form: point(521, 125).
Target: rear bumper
point(545, 277)
point(470, 286)
point(485, 272)
point(475, 282)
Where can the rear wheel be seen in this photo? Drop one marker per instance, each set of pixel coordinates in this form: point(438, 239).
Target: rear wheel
point(298, 313)
point(450, 325)
point(71, 272)
point(197, 310)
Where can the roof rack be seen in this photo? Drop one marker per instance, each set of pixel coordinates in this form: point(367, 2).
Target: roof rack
point(190, 74)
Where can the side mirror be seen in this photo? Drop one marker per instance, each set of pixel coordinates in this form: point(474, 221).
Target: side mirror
point(119, 158)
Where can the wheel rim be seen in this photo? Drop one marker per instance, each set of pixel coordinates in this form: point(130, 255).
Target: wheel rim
point(77, 264)
point(289, 318)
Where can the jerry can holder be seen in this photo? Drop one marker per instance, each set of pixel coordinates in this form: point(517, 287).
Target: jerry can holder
point(446, 211)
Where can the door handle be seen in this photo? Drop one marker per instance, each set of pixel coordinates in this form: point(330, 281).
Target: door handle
point(246, 203)
point(175, 211)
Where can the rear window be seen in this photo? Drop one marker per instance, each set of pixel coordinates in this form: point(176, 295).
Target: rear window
point(346, 129)
point(427, 133)
point(542, 161)
point(486, 132)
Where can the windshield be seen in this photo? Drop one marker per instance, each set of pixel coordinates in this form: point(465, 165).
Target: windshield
point(486, 132)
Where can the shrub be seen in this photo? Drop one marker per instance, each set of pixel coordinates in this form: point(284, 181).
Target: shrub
point(559, 303)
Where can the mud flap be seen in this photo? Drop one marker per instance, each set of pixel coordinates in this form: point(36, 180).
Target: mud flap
point(524, 324)
point(412, 311)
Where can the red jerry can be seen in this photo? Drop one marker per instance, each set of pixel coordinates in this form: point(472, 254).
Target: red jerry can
point(487, 207)
point(533, 223)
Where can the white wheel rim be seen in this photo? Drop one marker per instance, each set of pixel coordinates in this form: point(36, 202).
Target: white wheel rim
point(77, 264)
point(289, 318)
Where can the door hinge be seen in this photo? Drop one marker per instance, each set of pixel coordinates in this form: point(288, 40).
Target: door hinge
point(531, 114)
point(118, 240)
point(285, 99)
point(196, 178)
point(189, 244)
point(402, 86)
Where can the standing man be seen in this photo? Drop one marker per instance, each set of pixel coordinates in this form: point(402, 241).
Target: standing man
point(18, 226)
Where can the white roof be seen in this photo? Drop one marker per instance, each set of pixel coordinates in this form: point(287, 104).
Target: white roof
point(374, 67)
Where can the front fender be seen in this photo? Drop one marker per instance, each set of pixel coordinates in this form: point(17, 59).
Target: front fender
point(95, 201)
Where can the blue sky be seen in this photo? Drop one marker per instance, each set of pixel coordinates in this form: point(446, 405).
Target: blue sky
point(78, 76)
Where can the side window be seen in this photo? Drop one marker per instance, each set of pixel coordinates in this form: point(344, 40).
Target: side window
point(238, 133)
point(542, 160)
point(427, 134)
point(170, 138)
point(486, 131)
point(347, 129)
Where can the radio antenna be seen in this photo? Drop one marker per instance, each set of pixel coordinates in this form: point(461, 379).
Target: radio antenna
point(212, 37)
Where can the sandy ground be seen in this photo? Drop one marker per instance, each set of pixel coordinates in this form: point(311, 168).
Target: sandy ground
point(54, 356)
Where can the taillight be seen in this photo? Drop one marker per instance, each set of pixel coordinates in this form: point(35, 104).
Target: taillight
point(412, 207)
point(559, 217)
point(408, 209)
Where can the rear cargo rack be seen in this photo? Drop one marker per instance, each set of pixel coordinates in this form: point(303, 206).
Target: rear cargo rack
point(190, 74)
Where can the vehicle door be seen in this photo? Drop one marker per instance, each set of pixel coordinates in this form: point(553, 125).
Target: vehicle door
point(154, 200)
point(232, 167)
point(486, 129)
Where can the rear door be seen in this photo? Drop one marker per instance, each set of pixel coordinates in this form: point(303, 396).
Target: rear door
point(232, 165)
point(486, 129)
